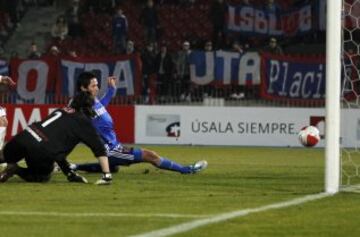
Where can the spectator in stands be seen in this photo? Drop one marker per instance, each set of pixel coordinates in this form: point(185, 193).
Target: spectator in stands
point(33, 52)
point(3, 31)
point(183, 71)
point(272, 6)
point(273, 47)
point(237, 90)
point(6, 19)
point(11, 7)
point(60, 29)
point(237, 47)
point(73, 19)
point(92, 6)
point(217, 17)
point(148, 68)
point(72, 53)
point(106, 6)
point(130, 47)
point(54, 51)
point(53, 56)
point(205, 90)
point(149, 20)
point(119, 31)
point(164, 67)
point(208, 46)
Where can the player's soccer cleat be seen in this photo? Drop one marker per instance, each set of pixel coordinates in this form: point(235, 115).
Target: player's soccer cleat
point(198, 166)
point(8, 172)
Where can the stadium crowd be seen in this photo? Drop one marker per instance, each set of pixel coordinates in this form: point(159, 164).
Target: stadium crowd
point(163, 33)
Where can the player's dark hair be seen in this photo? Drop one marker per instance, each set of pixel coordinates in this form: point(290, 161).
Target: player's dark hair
point(84, 80)
point(83, 102)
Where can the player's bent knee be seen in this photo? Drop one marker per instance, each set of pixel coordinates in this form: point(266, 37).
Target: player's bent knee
point(149, 153)
point(150, 156)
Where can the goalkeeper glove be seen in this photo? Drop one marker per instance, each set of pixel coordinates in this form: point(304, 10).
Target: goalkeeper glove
point(106, 179)
point(72, 176)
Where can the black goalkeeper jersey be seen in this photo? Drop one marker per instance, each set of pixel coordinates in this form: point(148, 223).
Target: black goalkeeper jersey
point(61, 131)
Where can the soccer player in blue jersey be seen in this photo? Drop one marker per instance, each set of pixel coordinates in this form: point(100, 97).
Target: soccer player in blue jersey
point(117, 153)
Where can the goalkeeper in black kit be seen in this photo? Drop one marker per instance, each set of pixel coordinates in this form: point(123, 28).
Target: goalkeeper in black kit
point(51, 140)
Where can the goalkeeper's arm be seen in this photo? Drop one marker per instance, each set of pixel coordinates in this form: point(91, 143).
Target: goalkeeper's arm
point(71, 175)
point(104, 163)
point(106, 178)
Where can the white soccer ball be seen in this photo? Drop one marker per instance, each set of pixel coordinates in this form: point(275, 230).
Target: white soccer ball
point(309, 136)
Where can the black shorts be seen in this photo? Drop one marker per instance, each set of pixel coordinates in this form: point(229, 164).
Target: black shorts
point(24, 146)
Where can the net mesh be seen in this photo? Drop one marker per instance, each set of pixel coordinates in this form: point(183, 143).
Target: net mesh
point(350, 157)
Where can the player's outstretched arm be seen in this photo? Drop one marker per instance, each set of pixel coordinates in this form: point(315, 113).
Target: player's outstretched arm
point(105, 100)
point(88, 135)
point(112, 81)
point(7, 80)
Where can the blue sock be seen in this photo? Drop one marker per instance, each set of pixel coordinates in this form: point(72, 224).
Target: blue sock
point(171, 165)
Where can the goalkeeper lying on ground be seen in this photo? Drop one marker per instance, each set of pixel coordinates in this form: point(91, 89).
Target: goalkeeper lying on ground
point(51, 140)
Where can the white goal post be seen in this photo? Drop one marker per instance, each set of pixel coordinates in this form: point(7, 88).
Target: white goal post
point(333, 85)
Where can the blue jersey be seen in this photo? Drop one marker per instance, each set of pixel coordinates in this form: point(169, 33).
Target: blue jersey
point(103, 122)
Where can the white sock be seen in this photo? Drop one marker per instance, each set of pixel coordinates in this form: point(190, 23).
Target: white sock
point(2, 136)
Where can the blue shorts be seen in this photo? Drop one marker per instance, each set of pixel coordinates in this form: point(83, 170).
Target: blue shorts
point(123, 155)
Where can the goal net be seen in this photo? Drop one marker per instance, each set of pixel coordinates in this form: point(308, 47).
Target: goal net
point(350, 156)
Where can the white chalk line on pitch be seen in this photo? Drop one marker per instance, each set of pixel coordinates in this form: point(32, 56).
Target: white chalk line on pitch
point(69, 214)
point(187, 226)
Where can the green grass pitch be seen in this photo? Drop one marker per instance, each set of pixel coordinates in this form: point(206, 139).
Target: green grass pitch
point(237, 178)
